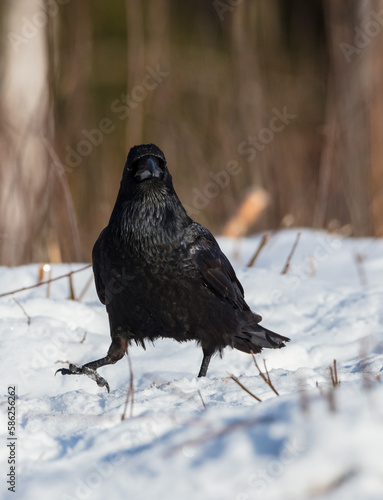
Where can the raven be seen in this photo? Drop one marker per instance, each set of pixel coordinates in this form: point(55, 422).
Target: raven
point(160, 274)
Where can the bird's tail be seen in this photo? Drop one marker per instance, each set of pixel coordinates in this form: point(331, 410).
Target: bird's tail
point(258, 338)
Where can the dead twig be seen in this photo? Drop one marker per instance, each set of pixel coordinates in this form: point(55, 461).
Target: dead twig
point(264, 240)
point(285, 270)
point(83, 338)
point(236, 380)
point(334, 484)
point(71, 288)
point(266, 377)
point(329, 394)
point(24, 311)
point(45, 282)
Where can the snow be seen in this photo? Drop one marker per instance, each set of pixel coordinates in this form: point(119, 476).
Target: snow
point(311, 441)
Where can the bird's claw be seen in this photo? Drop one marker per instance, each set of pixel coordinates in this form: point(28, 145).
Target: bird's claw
point(85, 370)
point(73, 370)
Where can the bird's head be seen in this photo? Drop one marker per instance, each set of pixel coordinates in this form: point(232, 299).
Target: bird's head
point(146, 198)
point(146, 169)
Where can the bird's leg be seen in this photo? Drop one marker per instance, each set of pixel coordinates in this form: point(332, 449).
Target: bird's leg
point(116, 351)
point(205, 363)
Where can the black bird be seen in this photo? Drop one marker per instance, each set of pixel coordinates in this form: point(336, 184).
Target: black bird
point(160, 274)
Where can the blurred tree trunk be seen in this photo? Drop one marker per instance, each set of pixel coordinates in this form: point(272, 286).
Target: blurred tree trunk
point(226, 71)
point(25, 116)
point(375, 105)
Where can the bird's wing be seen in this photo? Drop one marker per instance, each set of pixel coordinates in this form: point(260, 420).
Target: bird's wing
point(97, 268)
point(215, 268)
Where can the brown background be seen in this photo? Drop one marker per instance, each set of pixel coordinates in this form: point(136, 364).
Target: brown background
point(222, 69)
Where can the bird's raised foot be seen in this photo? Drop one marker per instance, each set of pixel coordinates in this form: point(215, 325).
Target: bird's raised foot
point(85, 370)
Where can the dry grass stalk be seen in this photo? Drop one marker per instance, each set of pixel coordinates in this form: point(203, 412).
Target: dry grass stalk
point(41, 272)
point(264, 240)
point(71, 288)
point(236, 380)
point(334, 375)
point(264, 377)
point(49, 269)
point(22, 308)
point(83, 338)
point(45, 282)
point(319, 491)
point(287, 265)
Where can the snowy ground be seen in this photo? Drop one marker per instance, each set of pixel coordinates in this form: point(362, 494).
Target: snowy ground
point(310, 442)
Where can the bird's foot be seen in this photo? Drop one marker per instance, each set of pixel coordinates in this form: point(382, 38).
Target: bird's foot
point(85, 370)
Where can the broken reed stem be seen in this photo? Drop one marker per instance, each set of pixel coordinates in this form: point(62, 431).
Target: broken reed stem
point(267, 377)
point(71, 288)
point(233, 377)
point(334, 374)
point(287, 265)
point(45, 282)
point(264, 240)
point(130, 394)
point(24, 311)
point(41, 272)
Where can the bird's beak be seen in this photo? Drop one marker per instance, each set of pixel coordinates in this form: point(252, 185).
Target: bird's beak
point(149, 169)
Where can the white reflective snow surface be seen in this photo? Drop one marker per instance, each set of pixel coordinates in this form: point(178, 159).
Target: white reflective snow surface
point(310, 442)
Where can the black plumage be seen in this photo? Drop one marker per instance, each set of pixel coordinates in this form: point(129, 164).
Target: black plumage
point(160, 274)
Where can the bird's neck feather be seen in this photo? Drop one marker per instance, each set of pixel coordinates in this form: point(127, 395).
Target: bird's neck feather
point(154, 217)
